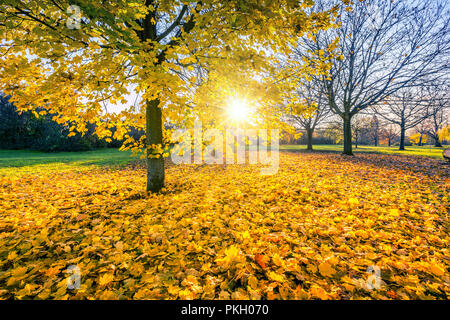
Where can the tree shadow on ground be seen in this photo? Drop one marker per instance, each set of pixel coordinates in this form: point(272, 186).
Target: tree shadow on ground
point(406, 163)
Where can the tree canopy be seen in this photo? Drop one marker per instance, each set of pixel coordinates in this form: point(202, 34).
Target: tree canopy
point(76, 61)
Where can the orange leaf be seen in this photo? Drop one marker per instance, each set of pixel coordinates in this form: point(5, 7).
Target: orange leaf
point(260, 260)
point(392, 294)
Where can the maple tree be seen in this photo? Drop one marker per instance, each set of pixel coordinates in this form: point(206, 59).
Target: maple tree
point(444, 133)
point(418, 138)
point(312, 231)
point(147, 48)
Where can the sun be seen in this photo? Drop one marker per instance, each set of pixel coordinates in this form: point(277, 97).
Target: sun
point(238, 110)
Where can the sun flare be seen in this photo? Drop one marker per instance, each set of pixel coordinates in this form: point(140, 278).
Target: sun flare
point(238, 110)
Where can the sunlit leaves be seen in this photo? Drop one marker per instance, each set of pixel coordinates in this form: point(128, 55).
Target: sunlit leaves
point(225, 232)
point(81, 74)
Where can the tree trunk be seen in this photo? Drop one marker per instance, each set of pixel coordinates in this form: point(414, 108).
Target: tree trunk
point(389, 142)
point(155, 166)
point(347, 134)
point(402, 137)
point(377, 131)
point(437, 143)
point(420, 140)
point(309, 133)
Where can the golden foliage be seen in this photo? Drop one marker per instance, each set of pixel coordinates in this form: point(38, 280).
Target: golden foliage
point(225, 232)
point(225, 48)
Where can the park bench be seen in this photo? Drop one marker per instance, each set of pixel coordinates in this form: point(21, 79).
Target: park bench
point(446, 154)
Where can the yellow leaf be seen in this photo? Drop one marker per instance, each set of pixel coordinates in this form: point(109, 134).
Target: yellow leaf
point(394, 212)
point(326, 269)
point(253, 282)
point(232, 254)
point(12, 255)
point(106, 279)
point(318, 292)
point(353, 202)
point(436, 270)
point(20, 271)
point(277, 260)
point(311, 268)
point(275, 276)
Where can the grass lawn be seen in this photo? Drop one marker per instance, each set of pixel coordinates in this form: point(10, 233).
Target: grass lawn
point(24, 161)
point(426, 151)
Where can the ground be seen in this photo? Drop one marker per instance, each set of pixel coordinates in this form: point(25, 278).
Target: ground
point(311, 231)
point(24, 161)
point(424, 151)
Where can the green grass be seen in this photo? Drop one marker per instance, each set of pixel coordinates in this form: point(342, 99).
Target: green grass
point(425, 151)
point(24, 161)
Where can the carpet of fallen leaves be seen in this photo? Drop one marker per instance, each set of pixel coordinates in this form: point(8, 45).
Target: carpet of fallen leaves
point(226, 232)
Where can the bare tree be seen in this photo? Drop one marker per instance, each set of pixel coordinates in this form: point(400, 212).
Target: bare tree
point(422, 129)
point(360, 126)
point(438, 111)
point(333, 132)
point(389, 133)
point(312, 95)
point(374, 130)
point(406, 109)
point(381, 47)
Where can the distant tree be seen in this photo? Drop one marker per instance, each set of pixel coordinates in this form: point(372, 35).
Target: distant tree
point(444, 134)
point(37, 131)
point(15, 129)
point(313, 98)
point(418, 138)
point(406, 109)
point(438, 114)
point(360, 126)
point(374, 130)
point(388, 134)
point(421, 136)
point(380, 47)
point(333, 131)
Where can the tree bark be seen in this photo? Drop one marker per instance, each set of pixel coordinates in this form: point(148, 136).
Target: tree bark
point(402, 137)
point(155, 166)
point(376, 137)
point(437, 143)
point(309, 133)
point(347, 134)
